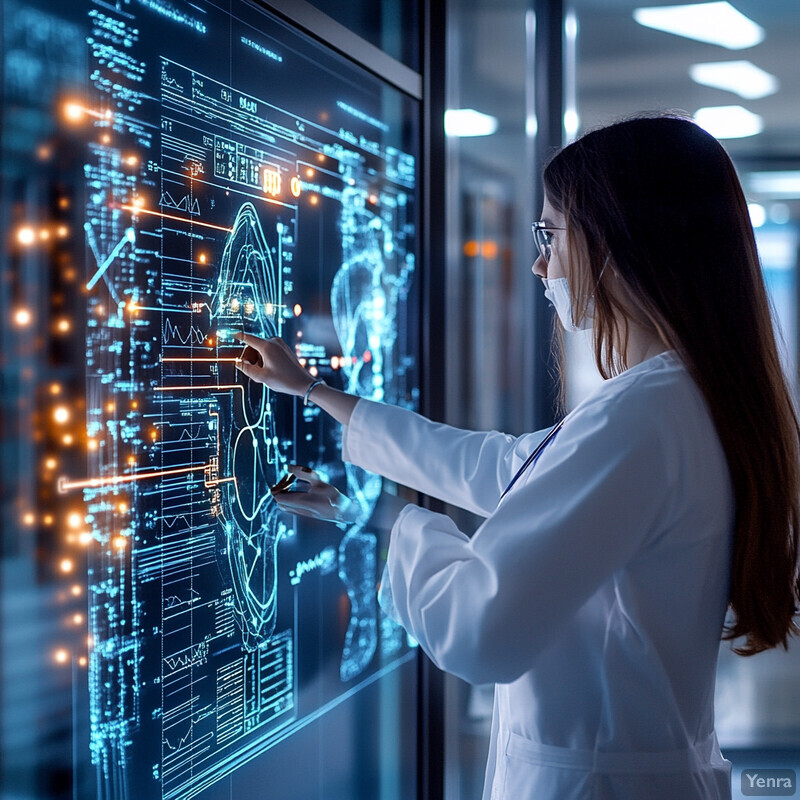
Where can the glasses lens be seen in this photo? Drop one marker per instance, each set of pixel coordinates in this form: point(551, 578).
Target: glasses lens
point(542, 237)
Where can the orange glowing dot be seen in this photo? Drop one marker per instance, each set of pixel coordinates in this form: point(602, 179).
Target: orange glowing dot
point(22, 317)
point(309, 173)
point(489, 249)
point(67, 438)
point(298, 309)
point(335, 362)
point(131, 460)
point(62, 231)
point(63, 325)
point(66, 565)
point(123, 507)
point(110, 407)
point(44, 152)
point(373, 198)
point(63, 202)
point(91, 444)
point(55, 388)
point(47, 519)
point(28, 518)
point(471, 248)
point(61, 656)
point(77, 618)
point(73, 112)
point(134, 404)
point(314, 371)
point(154, 434)
point(50, 463)
point(313, 199)
point(131, 161)
point(138, 202)
point(74, 520)
point(320, 157)
point(105, 138)
point(83, 661)
point(26, 235)
point(202, 258)
point(61, 414)
point(84, 537)
point(302, 362)
point(75, 590)
point(211, 341)
point(44, 234)
point(120, 542)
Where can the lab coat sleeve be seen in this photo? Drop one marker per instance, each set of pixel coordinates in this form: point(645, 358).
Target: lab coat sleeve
point(482, 608)
point(464, 468)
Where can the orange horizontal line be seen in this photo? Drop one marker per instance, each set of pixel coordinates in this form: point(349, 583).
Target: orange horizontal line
point(97, 483)
point(138, 210)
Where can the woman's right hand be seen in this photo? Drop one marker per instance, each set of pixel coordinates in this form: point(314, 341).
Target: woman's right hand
point(270, 361)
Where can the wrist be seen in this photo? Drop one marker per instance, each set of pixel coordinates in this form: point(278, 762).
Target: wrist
point(310, 388)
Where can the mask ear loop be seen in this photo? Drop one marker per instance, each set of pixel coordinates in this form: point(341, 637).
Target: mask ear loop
point(600, 276)
point(602, 270)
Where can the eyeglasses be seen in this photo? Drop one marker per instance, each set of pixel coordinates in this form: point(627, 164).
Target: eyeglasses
point(544, 238)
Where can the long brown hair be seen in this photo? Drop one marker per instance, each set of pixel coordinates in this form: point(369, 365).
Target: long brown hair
point(661, 197)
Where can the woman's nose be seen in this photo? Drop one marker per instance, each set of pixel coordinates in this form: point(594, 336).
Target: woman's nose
point(539, 268)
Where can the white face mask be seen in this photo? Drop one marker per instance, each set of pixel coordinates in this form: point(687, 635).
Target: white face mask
point(557, 292)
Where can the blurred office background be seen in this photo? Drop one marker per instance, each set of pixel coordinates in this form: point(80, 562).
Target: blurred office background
point(592, 61)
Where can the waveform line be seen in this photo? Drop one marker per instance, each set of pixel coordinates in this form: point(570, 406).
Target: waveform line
point(172, 331)
point(191, 655)
point(168, 201)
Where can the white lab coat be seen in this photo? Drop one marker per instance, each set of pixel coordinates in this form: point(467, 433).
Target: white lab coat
point(593, 595)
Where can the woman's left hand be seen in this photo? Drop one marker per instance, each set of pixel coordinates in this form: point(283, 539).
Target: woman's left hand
point(321, 501)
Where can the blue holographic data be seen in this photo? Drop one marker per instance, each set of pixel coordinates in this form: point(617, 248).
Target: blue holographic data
point(238, 176)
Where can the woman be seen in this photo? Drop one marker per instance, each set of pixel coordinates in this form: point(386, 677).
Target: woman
point(595, 592)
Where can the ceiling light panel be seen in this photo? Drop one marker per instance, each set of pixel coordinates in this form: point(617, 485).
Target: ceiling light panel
point(717, 23)
point(729, 122)
point(775, 183)
point(741, 77)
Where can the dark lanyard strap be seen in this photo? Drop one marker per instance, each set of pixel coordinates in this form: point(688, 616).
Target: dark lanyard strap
point(532, 458)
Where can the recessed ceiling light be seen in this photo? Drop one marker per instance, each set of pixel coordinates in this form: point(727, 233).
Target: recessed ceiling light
point(718, 23)
point(745, 79)
point(729, 122)
point(468, 122)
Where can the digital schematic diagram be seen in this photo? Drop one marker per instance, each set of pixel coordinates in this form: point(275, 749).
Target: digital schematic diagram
point(263, 185)
point(249, 458)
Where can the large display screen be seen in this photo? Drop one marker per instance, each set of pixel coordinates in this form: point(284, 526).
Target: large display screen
point(175, 172)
